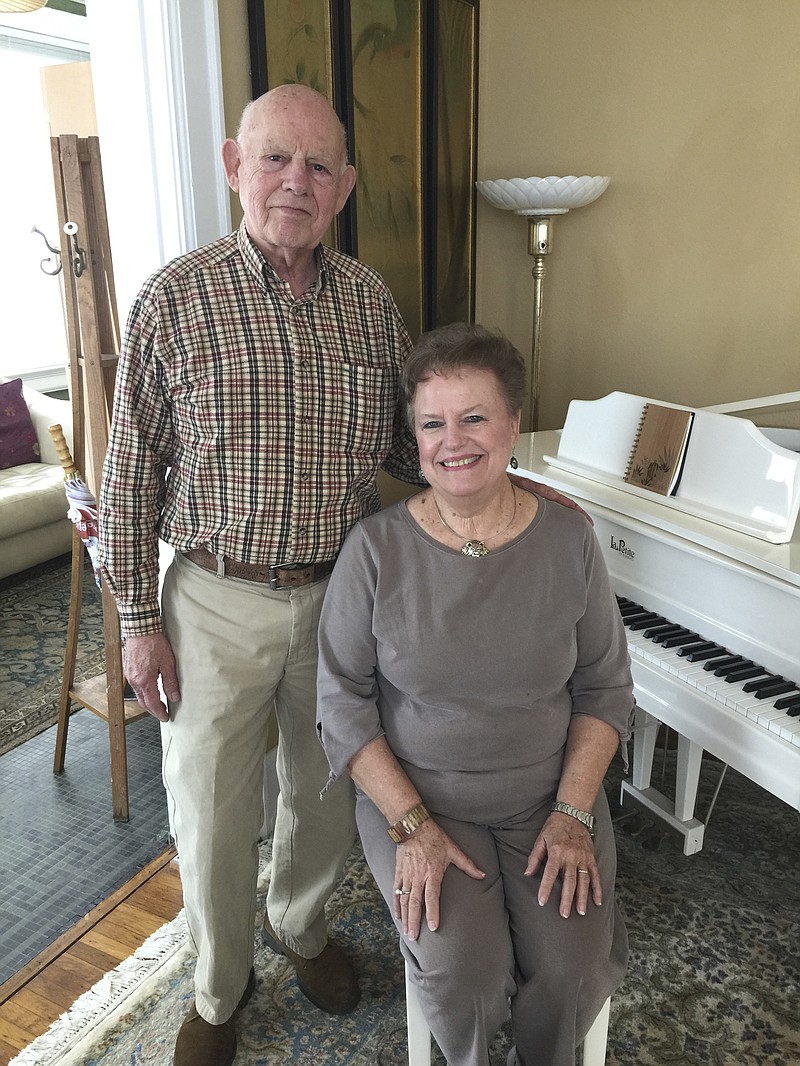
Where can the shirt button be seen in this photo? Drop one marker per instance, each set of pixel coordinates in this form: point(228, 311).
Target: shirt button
point(305, 476)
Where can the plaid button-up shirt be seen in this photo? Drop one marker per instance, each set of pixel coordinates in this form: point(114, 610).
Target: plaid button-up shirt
point(247, 421)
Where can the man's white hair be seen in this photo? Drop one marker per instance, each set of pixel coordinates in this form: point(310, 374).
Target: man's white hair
point(246, 121)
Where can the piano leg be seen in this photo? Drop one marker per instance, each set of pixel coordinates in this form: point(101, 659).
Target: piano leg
point(645, 735)
point(687, 778)
point(678, 815)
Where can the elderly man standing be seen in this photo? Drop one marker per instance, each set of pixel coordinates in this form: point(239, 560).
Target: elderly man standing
point(257, 395)
point(256, 398)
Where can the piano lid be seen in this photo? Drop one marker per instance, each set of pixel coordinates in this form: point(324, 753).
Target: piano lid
point(734, 475)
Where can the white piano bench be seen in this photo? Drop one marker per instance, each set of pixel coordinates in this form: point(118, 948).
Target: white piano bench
point(592, 1051)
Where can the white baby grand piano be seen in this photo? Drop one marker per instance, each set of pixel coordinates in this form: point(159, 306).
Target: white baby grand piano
point(720, 560)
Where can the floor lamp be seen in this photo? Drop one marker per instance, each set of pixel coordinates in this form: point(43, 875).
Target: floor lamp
point(539, 199)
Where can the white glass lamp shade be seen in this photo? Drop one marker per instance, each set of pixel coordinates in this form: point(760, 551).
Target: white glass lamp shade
point(542, 196)
point(18, 7)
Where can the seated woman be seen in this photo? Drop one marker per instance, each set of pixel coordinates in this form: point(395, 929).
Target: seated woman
point(474, 682)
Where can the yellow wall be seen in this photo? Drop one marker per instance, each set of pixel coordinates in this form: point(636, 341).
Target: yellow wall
point(681, 281)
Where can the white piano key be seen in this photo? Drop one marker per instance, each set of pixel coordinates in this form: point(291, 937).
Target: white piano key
point(786, 727)
point(697, 677)
point(764, 715)
point(742, 703)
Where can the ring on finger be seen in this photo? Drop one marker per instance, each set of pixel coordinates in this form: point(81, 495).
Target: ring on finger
point(402, 891)
point(583, 872)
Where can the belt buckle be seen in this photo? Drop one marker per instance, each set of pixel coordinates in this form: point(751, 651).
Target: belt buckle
point(273, 574)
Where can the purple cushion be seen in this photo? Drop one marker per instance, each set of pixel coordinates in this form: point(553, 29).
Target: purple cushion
point(18, 443)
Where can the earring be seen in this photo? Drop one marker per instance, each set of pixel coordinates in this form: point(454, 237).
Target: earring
point(422, 477)
point(513, 462)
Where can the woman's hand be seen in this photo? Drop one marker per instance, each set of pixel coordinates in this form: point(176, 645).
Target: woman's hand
point(565, 847)
point(420, 866)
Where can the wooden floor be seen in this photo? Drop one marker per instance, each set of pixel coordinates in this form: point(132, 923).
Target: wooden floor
point(32, 999)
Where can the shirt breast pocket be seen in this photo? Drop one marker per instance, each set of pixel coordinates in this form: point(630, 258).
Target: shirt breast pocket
point(363, 402)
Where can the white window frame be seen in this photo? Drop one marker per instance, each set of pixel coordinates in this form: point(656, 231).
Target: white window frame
point(47, 32)
point(157, 77)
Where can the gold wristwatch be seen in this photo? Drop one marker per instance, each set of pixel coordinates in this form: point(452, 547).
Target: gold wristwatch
point(402, 830)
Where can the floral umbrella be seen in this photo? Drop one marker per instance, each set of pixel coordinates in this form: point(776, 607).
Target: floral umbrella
point(82, 504)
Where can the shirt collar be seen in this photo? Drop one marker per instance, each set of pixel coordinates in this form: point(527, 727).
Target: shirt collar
point(259, 266)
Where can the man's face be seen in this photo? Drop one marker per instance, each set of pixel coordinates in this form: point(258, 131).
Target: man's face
point(289, 170)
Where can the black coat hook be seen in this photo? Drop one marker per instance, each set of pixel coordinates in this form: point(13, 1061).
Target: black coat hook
point(78, 254)
point(55, 258)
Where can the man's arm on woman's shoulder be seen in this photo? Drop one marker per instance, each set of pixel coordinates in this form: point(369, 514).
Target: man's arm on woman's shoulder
point(549, 494)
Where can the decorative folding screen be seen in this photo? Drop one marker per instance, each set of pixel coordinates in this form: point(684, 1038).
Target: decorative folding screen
point(402, 77)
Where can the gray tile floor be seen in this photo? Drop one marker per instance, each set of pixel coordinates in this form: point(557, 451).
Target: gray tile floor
point(61, 852)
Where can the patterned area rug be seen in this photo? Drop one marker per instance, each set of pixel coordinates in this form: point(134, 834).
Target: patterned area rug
point(34, 610)
point(714, 976)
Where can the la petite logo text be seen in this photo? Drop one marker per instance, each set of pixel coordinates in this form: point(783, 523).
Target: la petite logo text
point(621, 547)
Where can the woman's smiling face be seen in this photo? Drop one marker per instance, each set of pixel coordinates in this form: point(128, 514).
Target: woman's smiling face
point(464, 432)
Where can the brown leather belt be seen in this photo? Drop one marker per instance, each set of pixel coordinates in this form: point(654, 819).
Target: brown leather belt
point(287, 576)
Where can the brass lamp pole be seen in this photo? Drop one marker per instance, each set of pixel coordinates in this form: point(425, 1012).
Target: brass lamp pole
point(539, 199)
point(540, 243)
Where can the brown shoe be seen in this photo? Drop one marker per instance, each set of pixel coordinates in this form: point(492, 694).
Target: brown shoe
point(328, 980)
point(200, 1043)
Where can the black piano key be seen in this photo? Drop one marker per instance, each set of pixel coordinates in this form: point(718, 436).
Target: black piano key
point(643, 623)
point(759, 682)
point(767, 692)
point(654, 632)
point(630, 608)
point(787, 701)
point(723, 671)
point(679, 639)
point(640, 616)
point(726, 671)
point(742, 673)
point(715, 652)
point(794, 711)
point(678, 633)
point(623, 601)
point(719, 666)
point(703, 645)
point(687, 644)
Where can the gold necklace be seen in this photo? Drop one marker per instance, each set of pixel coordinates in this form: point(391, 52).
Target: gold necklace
point(476, 549)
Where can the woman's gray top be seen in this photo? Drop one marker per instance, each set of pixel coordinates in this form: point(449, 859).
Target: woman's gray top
point(471, 668)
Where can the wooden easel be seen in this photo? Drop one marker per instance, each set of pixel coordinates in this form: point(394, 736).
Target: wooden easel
point(94, 341)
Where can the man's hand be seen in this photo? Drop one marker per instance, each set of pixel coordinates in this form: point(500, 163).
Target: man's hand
point(146, 658)
point(549, 494)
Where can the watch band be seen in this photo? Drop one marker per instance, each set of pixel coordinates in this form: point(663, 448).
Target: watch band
point(402, 830)
point(575, 812)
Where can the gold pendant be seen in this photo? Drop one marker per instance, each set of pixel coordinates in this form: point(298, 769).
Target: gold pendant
point(476, 549)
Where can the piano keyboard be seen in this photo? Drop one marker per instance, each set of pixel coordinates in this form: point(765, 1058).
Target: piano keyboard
point(769, 700)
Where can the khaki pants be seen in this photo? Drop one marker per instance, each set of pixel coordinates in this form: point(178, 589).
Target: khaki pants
point(244, 651)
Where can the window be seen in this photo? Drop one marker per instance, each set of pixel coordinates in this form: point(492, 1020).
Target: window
point(32, 327)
